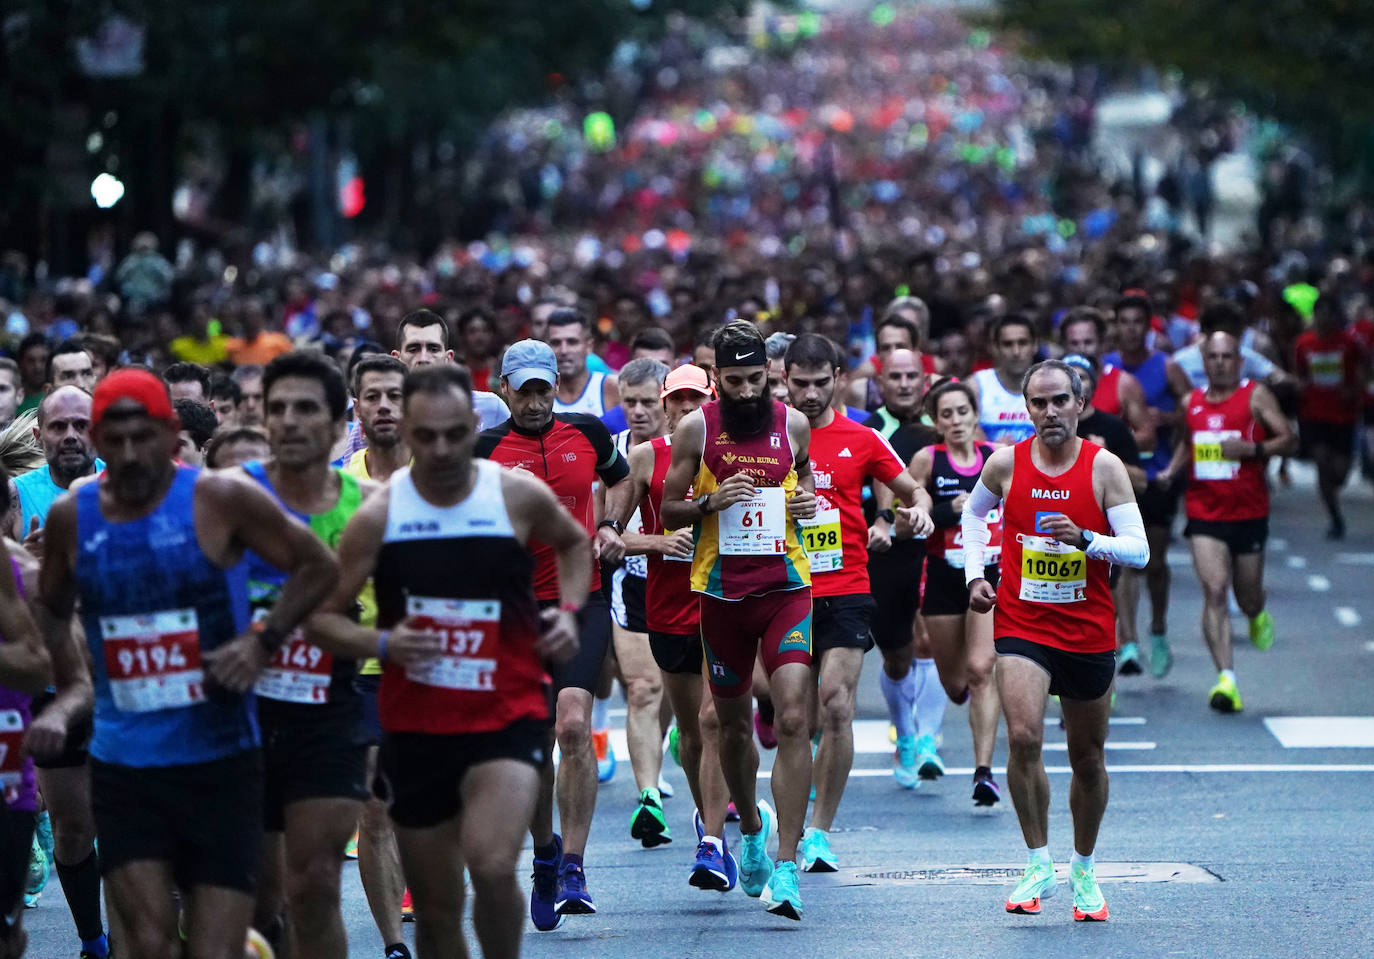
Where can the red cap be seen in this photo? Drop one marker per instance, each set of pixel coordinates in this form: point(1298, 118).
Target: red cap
point(138, 385)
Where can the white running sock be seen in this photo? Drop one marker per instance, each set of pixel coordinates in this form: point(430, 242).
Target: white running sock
point(1086, 862)
point(1041, 855)
point(1229, 674)
point(900, 695)
point(601, 715)
point(930, 699)
point(720, 846)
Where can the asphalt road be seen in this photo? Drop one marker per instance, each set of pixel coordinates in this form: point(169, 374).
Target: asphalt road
point(1219, 838)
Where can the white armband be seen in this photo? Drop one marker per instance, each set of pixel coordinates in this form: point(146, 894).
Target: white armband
point(1128, 546)
point(973, 523)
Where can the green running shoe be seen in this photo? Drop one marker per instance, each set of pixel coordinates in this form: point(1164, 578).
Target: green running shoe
point(38, 871)
point(904, 763)
point(816, 854)
point(673, 745)
point(1262, 631)
point(929, 765)
point(1129, 660)
point(1037, 883)
point(754, 865)
point(1088, 904)
point(1161, 658)
point(1224, 696)
point(781, 896)
point(648, 824)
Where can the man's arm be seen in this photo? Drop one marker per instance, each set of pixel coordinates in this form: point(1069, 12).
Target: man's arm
point(1126, 545)
point(24, 661)
point(1179, 387)
point(802, 503)
point(56, 605)
point(622, 498)
point(610, 393)
point(688, 442)
point(532, 506)
point(973, 523)
point(1134, 411)
point(1264, 407)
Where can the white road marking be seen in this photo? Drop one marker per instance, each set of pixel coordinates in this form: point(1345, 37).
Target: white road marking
point(1297, 562)
point(1165, 768)
point(1318, 583)
point(989, 874)
point(1355, 559)
point(1369, 646)
point(1322, 732)
point(1346, 616)
point(1113, 721)
point(1123, 746)
point(1278, 544)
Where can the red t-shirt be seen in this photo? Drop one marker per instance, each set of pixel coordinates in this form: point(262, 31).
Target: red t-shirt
point(844, 455)
point(1329, 366)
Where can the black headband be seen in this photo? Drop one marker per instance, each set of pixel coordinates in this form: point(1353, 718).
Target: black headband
point(750, 356)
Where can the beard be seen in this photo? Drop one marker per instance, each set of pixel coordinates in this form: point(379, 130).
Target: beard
point(744, 419)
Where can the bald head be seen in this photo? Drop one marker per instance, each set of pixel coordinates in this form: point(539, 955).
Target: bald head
point(902, 383)
point(64, 430)
point(64, 398)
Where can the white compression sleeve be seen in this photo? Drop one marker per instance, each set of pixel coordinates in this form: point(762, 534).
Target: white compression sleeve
point(1128, 547)
point(973, 523)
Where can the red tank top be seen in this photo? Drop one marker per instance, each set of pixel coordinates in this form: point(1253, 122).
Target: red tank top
point(1052, 593)
point(1107, 396)
point(671, 606)
point(1222, 490)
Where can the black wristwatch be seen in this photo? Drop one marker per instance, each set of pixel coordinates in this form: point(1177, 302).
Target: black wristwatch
point(1087, 535)
point(888, 515)
point(704, 504)
point(614, 524)
point(271, 639)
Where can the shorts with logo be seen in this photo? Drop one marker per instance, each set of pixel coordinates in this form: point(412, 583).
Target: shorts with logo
point(1240, 536)
point(1085, 676)
point(74, 751)
point(420, 775)
point(628, 601)
point(676, 653)
point(776, 627)
point(304, 756)
point(894, 580)
point(841, 622)
point(584, 669)
point(202, 818)
point(946, 594)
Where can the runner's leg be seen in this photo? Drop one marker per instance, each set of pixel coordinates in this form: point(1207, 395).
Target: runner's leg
point(1023, 686)
point(497, 805)
point(317, 830)
point(839, 681)
point(1212, 563)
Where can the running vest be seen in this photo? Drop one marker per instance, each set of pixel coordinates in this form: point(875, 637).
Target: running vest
point(16, 765)
point(459, 571)
point(670, 604)
point(356, 466)
point(1222, 490)
point(1107, 396)
point(37, 493)
point(1052, 593)
point(151, 603)
point(946, 482)
point(751, 548)
point(591, 400)
point(301, 673)
point(634, 565)
point(1153, 374)
point(1001, 413)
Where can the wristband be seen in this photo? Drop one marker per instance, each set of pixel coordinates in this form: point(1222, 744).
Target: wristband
point(1259, 450)
point(271, 639)
point(573, 608)
point(704, 504)
point(382, 639)
point(887, 515)
point(614, 524)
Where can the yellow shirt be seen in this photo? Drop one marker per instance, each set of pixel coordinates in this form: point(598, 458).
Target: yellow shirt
point(211, 352)
point(356, 466)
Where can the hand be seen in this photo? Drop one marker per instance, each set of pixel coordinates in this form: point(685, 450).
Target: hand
point(407, 646)
point(801, 504)
point(958, 503)
point(919, 520)
point(879, 537)
point(33, 542)
point(559, 641)
point(1063, 529)
point(981, 596)
point(608, 545)
point(678, 545)
point(47, 734)
point(237, 664)
point(1236, 449)
point(735, 489)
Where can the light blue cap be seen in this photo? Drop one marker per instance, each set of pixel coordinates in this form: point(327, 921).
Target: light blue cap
point(529, 360)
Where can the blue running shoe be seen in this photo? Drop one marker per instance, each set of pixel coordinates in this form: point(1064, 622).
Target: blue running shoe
point(714, 869)
point(543, 912)
point(573, 898)
point(755, 866)
point(781, 896)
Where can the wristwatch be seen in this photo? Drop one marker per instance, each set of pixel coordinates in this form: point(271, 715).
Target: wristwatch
point(614, 524)
point(704, 504)
point(1087, 538)
point(888, 515)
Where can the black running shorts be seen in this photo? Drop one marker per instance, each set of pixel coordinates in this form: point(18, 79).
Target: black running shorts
point(584, 669)
point(310, 757)
point(677, 653)
point(841, 622)
point(946, 594)
point(1241, 537)
point(1085, 676)
point(894, 580)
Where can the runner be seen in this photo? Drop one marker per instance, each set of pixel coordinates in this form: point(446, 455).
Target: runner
point(1231, 428)
point(1054, 624)
point(64, 431)
point(314, 756)
point(579, 389)
point(744, 458)
point(570, 452)
point(640, 382)
point(174, 758)
point(464, 698)
point(909, 680)
point(960, 638)
point(1327, 360)
point(844, 457)
point(1117, 393)
point(1166, 387)
point(378, 391)
point(1001, 408)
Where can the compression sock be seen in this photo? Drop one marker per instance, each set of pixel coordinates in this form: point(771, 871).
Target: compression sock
point(900, 695)
point(601, 715)
point(1080, 860)
point(930, 699)
point(81, 886)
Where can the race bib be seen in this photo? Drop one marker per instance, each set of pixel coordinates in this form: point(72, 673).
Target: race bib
point(1052, 572)
point(637, 565)
point(11, 751)
point(1208, 463)
point(755, 527)
point(954, 542)
point(300, 672)
point(153, 660)
point(1326, 369)
point(820, 537)
point(471, 629)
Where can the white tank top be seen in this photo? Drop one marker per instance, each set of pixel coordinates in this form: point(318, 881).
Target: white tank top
point(1001, 413)
point(591, 401)
point(481, 513)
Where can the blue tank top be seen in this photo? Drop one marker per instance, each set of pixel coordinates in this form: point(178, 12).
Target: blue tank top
point(1154, 381)
point(151, 603)
point(37, 493)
